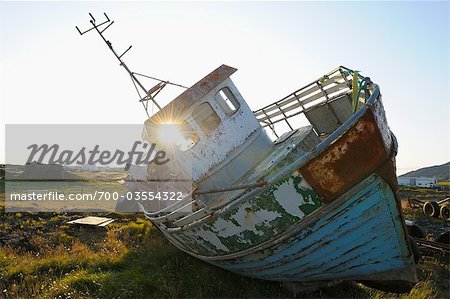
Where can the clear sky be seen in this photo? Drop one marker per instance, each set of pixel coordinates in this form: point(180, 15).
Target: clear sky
point(50, 74)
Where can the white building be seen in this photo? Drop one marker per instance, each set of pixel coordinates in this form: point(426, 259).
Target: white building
point(89, 167)
point(417, 182)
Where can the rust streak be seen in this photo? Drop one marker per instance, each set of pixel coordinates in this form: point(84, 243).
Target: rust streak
point(353, 156)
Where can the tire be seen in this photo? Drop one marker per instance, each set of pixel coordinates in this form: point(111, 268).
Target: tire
point(415, 249)
point(391, 286)
point(415, 231)
point(444, 238)
point(431, 209)
point(445, 212)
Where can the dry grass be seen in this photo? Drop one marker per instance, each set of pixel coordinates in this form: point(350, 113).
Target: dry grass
point(130, 259)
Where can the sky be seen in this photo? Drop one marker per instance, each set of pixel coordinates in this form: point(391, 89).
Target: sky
point(49, 74)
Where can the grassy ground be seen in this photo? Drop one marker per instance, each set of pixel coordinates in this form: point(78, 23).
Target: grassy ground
point(42, 256)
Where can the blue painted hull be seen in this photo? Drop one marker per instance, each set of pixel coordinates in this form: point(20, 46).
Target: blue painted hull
point(357, 237)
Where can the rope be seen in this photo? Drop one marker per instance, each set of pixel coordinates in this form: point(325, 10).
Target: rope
point(362, 85)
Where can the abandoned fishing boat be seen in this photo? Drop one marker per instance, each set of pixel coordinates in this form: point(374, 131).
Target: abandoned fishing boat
point(317, 202)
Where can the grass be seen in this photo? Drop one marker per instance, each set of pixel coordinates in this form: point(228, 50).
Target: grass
point(131, 260)
point(46, 258)
point(445, 185)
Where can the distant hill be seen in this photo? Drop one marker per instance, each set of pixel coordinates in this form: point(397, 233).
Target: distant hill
point(438, 171)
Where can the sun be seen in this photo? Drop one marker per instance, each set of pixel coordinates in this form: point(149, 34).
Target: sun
point(170, 135)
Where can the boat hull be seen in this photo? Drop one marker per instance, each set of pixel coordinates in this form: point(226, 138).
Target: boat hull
point(355, 238)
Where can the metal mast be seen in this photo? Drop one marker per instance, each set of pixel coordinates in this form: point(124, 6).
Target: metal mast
point(150, 93)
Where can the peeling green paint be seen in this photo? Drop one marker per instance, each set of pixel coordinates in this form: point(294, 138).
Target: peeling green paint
point(254, 221)
point(314, 201)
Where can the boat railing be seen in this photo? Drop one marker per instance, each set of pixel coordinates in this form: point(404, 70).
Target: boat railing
point(192, 208)
point(323, 91)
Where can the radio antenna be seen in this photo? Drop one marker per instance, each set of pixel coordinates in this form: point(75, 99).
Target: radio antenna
point(150, 93)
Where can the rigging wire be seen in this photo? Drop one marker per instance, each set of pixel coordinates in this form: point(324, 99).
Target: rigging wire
point(167, 82)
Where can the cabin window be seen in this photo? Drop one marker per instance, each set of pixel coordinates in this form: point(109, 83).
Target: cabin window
point(227, 101)
point(206, 117)
point(189, 137)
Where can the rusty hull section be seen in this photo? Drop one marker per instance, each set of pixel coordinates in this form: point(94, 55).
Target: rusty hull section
point(360, 151)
